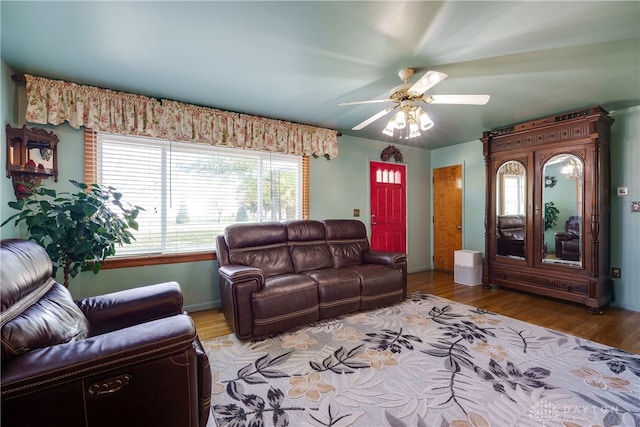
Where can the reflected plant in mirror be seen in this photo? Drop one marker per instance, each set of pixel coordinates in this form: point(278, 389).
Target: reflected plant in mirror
point(550, 215)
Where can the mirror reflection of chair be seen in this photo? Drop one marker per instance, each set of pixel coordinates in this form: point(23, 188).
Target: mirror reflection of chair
point(511, 232)
point(568, 241)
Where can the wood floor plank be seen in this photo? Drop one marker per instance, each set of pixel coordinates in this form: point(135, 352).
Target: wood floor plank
point(614, 327)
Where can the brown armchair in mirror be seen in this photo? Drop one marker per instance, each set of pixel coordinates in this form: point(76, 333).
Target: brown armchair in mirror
point(568, 242)
point(511, 235)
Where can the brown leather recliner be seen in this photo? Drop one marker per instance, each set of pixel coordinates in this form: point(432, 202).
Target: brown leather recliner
point(511, 235)
point(130, 358)
point(568, 242)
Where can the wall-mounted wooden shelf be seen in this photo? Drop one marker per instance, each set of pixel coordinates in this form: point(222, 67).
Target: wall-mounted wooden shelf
point(32, 155)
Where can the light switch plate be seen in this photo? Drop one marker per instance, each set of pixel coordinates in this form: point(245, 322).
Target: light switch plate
point(623, 191)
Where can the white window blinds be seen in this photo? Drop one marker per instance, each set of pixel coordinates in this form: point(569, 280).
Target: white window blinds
point(191, 192)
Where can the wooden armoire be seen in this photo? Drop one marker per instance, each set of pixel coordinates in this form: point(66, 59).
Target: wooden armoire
point(548, 206)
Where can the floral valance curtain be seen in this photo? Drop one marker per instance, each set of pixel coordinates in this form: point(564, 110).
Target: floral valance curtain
point(512, 168)
point(55, 101)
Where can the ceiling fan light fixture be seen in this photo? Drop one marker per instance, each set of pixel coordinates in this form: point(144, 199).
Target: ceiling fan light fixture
point(388, 130)
point(425, 121)
point(414, 131)
point(400, 120)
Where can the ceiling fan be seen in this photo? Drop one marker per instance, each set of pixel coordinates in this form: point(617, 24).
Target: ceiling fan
point(406, 98)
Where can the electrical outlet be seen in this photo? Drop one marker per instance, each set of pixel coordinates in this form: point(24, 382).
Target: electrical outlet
point(616, 273)
point(356, 212)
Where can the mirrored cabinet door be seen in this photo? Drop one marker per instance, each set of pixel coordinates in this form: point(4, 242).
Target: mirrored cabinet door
point(511, 202)
point(562, 196)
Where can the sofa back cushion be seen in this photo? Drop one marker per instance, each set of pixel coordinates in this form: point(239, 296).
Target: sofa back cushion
point(308, 245)
point(37, 311)
point(260, 245)
point(347, 239)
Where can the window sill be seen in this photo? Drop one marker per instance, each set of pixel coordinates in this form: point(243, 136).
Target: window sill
point(139, 261)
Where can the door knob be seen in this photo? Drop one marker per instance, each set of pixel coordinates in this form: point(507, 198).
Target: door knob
point(459, 227)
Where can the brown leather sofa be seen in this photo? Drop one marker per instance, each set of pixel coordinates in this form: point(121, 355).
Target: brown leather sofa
point(511, 235)
point(129, 358)
point(568, 242)
point(275, 276)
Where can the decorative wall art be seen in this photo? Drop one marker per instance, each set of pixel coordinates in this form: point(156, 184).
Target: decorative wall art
point(390, 152)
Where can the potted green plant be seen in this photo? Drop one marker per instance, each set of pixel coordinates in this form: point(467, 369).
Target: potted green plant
point(78, 230)
point(550, 215)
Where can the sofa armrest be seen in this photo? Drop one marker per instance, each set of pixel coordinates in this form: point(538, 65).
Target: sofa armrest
point(385, 258)
point(241, 273)
point(130, 307)
point(49, 366)
point(237, 286)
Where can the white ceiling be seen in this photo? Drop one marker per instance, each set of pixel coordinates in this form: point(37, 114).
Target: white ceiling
point(297, 61)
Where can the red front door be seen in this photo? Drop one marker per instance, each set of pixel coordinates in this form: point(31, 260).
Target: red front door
point(388, 206)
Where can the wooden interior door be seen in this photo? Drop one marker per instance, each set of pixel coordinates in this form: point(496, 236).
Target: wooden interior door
point(388, 206)
point(447, 216)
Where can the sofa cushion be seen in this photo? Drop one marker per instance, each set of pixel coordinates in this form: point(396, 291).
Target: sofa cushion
point(338, 291)
point(285, 301)
point(262, 245)
point(347, 241)
point(346, 254)
point(273, 260)
point(246, 235)
point(381, 285)
point(307, 245)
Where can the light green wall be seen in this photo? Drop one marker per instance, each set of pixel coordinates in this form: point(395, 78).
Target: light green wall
point(7, 111)
point(625, 225)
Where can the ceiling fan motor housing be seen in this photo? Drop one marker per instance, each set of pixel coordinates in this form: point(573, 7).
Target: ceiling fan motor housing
point(405, 74)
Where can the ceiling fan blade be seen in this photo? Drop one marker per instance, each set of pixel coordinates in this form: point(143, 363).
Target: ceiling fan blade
point(427, 81)
point(458, 99)
point(374, 118)
point(374, 101)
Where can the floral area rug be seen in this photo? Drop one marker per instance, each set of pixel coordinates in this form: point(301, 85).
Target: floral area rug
point(424, 362)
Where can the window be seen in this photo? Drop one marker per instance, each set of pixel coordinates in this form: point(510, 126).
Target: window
point(514, 194)
point(191, 192)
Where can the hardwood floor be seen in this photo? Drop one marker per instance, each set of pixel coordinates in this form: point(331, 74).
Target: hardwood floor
point(615, 327)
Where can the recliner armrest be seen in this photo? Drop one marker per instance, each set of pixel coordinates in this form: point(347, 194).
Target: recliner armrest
point(130, 307)
point(241, 273)
point(565, 235)
point(46, 367)
point(385, 258)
